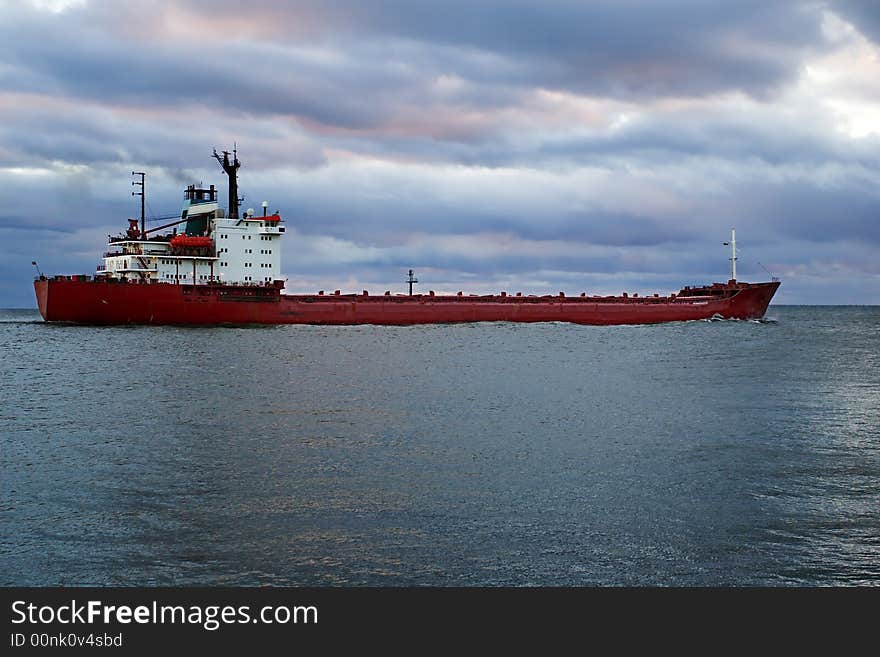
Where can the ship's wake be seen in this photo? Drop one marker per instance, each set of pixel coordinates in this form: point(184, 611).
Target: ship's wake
point(720, 318)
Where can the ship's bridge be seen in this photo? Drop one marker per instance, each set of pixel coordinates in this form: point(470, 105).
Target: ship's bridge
point(199, 205)
point(193, 195)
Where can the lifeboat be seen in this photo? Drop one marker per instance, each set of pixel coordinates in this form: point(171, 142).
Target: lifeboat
point(191, 241)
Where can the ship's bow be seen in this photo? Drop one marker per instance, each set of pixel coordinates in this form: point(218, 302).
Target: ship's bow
point(752, 302)
point(41, 289)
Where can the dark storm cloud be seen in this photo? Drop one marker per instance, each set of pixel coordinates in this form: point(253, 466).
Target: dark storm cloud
point(368, 72)
point(38, 131)
point(812, 213)
point(605, 47)
point(864, 14)
point(389, 51)
point(748, 138)
point(183, 74)
point(758, 137)
point(790, 211)
point(615, 48)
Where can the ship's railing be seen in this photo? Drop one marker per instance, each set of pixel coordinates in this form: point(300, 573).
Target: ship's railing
point(136, 252)
point(502, 298)
point(72, 277)
point(113, 239)
point(103, 277)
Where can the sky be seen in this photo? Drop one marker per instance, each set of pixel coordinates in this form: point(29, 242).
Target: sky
point(536, 146)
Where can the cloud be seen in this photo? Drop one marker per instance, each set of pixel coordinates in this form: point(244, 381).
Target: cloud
point(861, 13)
point(354, 65)
point(608, 47)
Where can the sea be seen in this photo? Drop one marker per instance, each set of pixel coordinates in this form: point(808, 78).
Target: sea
point(706, 453)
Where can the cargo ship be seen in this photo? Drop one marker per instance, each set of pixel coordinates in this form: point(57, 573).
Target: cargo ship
point(215, 266)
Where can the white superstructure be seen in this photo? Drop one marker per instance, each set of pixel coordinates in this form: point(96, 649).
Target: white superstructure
point(212, 248)
point(248, 249)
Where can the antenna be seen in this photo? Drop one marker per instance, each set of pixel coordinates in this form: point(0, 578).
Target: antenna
point(140, 183)
point(411, 280)
point(769, 273)
point(733, 258)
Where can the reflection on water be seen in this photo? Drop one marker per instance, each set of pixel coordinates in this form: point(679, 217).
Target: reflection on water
point(479, 454)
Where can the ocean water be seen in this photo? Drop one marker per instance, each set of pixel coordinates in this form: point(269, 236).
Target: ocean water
point(697, 453)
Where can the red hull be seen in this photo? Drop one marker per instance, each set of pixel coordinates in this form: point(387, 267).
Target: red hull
point(76, 299)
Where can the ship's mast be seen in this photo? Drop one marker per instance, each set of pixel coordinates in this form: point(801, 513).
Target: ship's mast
point(733, 254)
point(231, 169)
point(140, 183)
point(732, 245)
point(411, 279)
